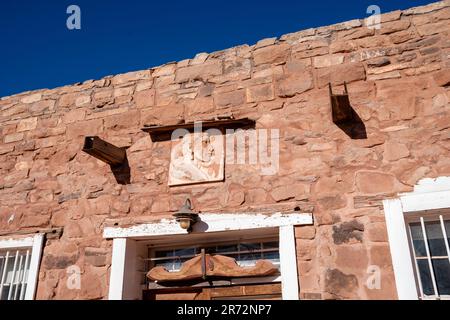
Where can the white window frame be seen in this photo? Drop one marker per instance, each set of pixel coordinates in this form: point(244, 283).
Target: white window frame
point(428, 194)
point(125, 281)
point(35, 244)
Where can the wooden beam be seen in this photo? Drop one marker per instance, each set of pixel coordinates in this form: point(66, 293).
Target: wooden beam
point(159, 133)
point(104, 151)
point(51, 233)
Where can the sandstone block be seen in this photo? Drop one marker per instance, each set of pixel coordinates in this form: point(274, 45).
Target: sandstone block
point(352, 258)
point(200, 105)
point(263, 92)
point(82, 100)
point(165, 70)
point(123, 121)
point(290, 85)
point(42, 106)
point(391, 27)
point(370, 182)
point(130, 77)
point(305, 232)
point(27, 124)
point(67, 100)
point(13, 137)
point(337, 75)
point(84, 128)
point(433, 28)
point(442, 78)
point(204, 71)
point(165, 115)
point(145, 98)
point(394, 151)
point(328, 60)
point(74, 115)
point(340, 285)
point(275, 54)
point(376, 232)
point(31, 98)
point(351, 231)
point(230, 99)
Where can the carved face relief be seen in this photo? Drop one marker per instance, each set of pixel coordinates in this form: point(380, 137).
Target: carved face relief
point(195, 158)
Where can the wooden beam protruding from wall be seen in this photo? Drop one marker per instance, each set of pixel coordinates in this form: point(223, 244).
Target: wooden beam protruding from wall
point(104, 151)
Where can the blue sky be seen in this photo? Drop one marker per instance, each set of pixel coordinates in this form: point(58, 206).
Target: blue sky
point(38, 51)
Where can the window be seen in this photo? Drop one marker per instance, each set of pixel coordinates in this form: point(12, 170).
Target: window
point(429, 240)
point(245, 253)
point(19, 263)
point(418, 225)
point(14, 269)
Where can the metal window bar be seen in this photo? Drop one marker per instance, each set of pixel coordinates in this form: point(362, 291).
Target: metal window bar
point(430, 264)
point(17, 278)
point(444, 233)
point(25, 275)
point(11, 284)
point(3, 275)
point(222, 253)
point(416, 264)
point(14, 280)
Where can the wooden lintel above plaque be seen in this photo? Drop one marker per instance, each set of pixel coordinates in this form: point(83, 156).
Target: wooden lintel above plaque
point(160, 133)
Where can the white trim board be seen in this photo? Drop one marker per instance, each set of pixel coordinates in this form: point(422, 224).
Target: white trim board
point(13, 243)
point(33, 273)
point(210, 223)
point(288, 263)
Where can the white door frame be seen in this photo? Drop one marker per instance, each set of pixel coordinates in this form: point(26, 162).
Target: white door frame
point(123, 282)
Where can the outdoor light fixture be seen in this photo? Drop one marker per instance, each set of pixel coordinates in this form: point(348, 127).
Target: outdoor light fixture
point(185, 216)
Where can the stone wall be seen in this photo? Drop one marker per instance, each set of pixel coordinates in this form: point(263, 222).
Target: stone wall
point(398, 81)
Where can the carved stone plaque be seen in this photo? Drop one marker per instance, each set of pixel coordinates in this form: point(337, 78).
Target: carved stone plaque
point(195, 158)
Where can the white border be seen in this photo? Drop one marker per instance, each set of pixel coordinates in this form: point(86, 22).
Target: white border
point(211, 223)
point(429, 194)
point(117, 269)
point(123, 284)
point(35, 243)
point(288, 263)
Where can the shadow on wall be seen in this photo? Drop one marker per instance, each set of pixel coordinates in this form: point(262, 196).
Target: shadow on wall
point(122, 172)
point(345, 116)
point(114, 156)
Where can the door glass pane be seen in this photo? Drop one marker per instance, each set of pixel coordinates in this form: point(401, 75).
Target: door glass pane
point(447, 230)
point(181, 256)
point(417, 239)
point(435, 239)
point(251, 253)
point(442, 274)
point(425, 277)
point(274, 256)
point(226, 249)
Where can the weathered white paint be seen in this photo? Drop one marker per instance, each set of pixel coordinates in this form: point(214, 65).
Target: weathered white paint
point(425, 201)
point(13, 243)
point(117, 275)
point(210, 223)
point(33, 273)
point(400, 253)
point(428, 194)
point(432, 185)
point(288, 263)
